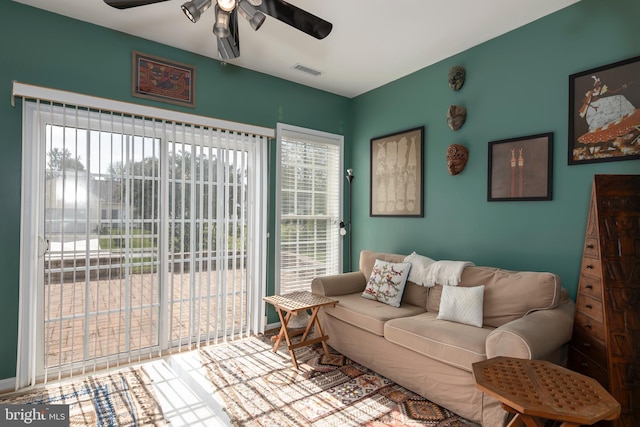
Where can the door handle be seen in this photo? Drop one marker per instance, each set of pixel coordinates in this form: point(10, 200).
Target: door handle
point(43, 246)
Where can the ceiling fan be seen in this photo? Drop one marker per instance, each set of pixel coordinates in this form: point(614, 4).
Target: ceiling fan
point(254, 11)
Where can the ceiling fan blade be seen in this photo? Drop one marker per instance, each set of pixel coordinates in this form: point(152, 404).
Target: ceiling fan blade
point(126, 4)
point(296, 17)
point(229, 47)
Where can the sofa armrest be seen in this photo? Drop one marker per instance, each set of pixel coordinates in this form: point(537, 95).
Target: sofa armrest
point(534, 336)
point(339, 284)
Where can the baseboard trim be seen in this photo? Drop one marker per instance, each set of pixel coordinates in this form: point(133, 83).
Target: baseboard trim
point(7, 385)
point(271, 326)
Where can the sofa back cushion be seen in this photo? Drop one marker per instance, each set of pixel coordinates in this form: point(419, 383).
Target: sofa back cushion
point(413, 294)
point(508, 295)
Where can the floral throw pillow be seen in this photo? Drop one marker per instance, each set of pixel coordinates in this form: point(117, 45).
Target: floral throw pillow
point(387, 282)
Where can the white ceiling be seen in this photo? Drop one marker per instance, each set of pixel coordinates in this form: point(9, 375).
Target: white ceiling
point(373, 42)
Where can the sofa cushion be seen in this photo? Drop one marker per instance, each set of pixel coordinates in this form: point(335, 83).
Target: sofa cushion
point(508, 295)
point(462, 304)
point(413, 294)
point(367, 314)
point(452, 343)
point(368, 259)
point(387, 282)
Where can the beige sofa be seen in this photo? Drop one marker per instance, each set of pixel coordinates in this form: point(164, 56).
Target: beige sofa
point(525, 314)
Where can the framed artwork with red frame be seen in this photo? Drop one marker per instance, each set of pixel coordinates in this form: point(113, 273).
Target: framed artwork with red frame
point(163, 80)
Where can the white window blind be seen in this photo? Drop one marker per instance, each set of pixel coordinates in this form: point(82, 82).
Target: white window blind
point(309, 201)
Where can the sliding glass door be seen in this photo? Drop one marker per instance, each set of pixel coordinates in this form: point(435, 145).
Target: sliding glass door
point(101, 285)
point(146, 232)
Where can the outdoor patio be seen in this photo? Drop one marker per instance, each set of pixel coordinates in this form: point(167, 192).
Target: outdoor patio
point(114, 316)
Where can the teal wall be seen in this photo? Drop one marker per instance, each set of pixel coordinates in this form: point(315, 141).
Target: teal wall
point(40, 48)
point(517, 85)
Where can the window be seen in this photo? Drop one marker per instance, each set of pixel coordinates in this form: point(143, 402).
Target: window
point(309, 202)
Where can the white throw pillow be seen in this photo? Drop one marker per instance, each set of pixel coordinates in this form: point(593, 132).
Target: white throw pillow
point(462, 304)
point(387, 282)
point(419, 265)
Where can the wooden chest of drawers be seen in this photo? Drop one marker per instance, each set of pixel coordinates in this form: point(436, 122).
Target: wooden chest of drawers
point(606, 333)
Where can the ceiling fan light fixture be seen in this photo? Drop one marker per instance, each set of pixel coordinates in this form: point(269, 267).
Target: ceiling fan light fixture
point(194, 8)
point(255, 17)
point(221, 26)
point(227, 5)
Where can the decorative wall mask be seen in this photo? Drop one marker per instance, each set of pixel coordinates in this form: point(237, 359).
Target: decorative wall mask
point(457, 158)
point(456, 116)
point(456, 77)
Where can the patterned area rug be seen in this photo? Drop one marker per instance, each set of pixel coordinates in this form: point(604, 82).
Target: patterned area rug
point(261, 388)
point(121, 398)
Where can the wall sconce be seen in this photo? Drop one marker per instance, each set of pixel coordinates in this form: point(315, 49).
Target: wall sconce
point(350, 175)
point(344, 228)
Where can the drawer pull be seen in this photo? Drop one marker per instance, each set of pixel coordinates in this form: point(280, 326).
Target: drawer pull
point(589, 306)
point(586, 345)
point(589, 266)
point(590, 246)
point(587, 326)
point(589, 286)
point(584, 364)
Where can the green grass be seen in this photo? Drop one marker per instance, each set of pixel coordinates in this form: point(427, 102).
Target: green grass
point(149, 265)
point(116, 240)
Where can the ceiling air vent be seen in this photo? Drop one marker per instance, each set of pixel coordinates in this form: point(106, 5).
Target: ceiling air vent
point(305, 69)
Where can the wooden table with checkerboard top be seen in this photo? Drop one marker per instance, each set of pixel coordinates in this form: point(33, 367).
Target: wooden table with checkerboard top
point(292, 304)
point(535, 389)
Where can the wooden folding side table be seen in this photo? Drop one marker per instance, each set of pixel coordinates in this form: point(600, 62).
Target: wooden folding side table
point(293, 304)
point(534, 389)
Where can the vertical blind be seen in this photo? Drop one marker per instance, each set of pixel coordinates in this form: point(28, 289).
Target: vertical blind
point(142, 235)
point(103, 227)
point(309, 206)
